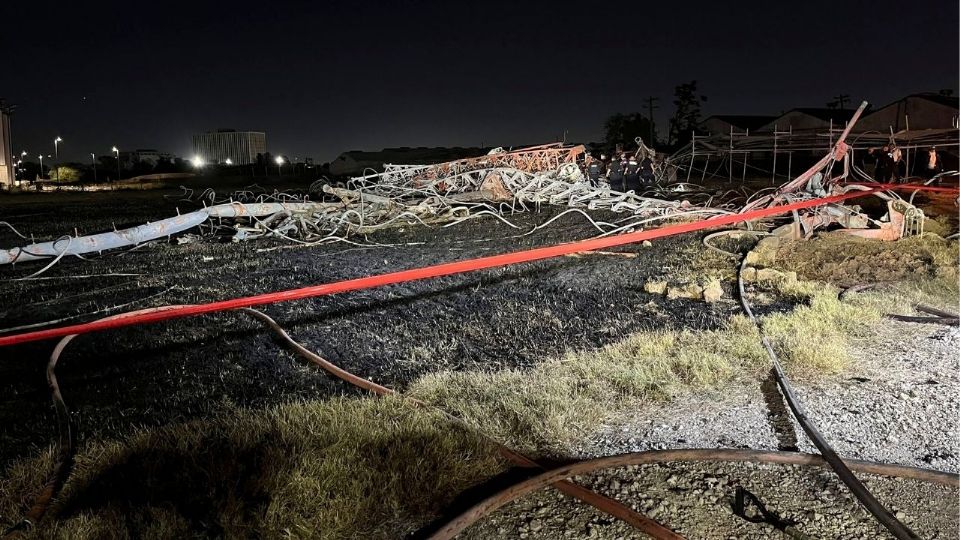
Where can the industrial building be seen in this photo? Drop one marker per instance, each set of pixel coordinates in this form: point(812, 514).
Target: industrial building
point(230, 146)
point(913, 112)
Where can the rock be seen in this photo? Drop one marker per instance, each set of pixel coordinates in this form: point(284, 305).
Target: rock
point(536, 525)
point(655, 287)
point(788, 231)
point(713, 291)
point(764, 253)
point(749, 273)
point(690, 290)
point(769, 275)
point(769, 243)
point(646, 243)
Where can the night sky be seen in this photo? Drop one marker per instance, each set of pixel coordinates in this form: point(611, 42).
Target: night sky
point(324, 77)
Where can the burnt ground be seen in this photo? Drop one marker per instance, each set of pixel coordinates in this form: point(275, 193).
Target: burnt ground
point(119, 380)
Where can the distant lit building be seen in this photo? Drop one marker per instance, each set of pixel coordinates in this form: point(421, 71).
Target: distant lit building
point(240, 147)
point(6, 151)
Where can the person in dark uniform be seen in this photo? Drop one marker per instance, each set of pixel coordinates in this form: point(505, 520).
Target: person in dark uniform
point(631, 173)
point(897, 165)
point(646, 171)
point(874, 160)
point(884, 164)
point(594, 170)
point(933, 166)
point(615, 174)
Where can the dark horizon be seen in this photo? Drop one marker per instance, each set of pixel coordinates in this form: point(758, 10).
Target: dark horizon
point(323, 79)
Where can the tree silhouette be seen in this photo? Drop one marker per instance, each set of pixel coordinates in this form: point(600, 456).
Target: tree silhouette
point(687, 113)
point(624, 129)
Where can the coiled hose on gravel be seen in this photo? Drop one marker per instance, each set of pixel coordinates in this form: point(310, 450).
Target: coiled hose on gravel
point(686, 455)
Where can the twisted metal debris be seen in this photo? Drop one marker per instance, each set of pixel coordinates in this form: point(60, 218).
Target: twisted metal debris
point(500, 183)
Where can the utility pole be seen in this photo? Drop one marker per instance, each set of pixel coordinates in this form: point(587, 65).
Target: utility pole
point(650, 108)
point(841, 100)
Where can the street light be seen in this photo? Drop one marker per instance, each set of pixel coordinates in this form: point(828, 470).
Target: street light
point(117, 152)
point(41, 167)
point(22, 155)
point(197, 161)
point(229, 161)
point(56, 154)
point(93, 160)
point(279, 161)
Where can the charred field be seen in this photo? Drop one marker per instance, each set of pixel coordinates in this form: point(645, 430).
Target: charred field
point(498, 319)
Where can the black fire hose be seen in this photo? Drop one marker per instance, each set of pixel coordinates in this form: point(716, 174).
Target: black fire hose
point(897, 528)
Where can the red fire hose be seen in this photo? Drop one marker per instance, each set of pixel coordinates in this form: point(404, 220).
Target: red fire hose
point(444, 269)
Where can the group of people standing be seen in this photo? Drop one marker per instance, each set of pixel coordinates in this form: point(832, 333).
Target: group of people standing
point(624, 173)
point(889, 164)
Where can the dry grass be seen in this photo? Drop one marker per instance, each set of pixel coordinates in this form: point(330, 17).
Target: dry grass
point(813, 339)
point(342, 468)
point(544, 409)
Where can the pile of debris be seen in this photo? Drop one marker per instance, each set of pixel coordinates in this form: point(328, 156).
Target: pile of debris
point(498, 184)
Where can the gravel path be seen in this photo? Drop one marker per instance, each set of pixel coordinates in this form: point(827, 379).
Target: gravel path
point(899, 403)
